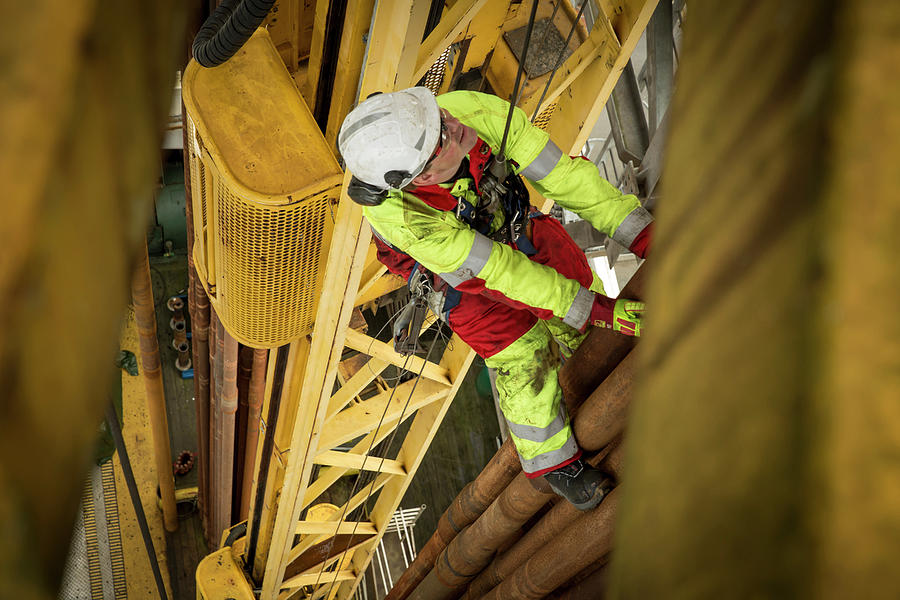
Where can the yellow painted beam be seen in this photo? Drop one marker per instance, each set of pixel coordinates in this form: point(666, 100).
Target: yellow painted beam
point(602, 43)
point(355, 385)
point(329, 475)
point(406, 60)
point(378, 349)
point(350, 59)
point(335, 458)
point(364, 417)
point(334, 528)
point(313, 578)
point(581, 104)
point(355, 502)
point(452, 25)
point(385, 284)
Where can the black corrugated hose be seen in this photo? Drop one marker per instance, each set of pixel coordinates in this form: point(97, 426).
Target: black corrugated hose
point(227, 29)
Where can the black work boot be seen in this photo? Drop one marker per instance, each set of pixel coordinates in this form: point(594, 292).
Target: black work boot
point(580, 483)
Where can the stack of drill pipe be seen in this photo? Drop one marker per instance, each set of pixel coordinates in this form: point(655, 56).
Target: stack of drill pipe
point(549, 528)
point(585, 541)
point(590, 584)
point(198, 308)
point(602, 350)
point(471, 502)
point(600, 420)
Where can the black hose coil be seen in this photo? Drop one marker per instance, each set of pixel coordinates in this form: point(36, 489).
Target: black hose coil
point(227, 29)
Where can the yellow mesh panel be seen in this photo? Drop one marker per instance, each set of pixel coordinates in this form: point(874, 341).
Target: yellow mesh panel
point(543, 119)
point(269, 265)
point(263, 181)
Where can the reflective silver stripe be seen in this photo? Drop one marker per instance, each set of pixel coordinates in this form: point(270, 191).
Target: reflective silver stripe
point(633, 224)
point(381, 237)
point(548, 460)
point(474, 263)
point(581, 308)
point(360, 124)
point(541, 166)
point(532, 433)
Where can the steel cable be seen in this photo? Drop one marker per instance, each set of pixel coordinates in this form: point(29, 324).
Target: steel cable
point(559, 59)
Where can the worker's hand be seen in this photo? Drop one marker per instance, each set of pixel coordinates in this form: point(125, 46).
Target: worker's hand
point(624, 316)
point(401, 325)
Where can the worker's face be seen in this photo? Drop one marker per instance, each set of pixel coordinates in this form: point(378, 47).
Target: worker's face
point(456, 142)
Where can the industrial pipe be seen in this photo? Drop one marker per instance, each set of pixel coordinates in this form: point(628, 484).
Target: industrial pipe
point(217, 343)
point(599, 353)
point(468, 505)
point(469, 552)
point(591, 584)
point(255, 402)
point(597, 423)
point(543, 532)
point(245, 369)
point(585, 541)
point(198, 308)
point(145, 317)
point(228, 405)
point(602, 417)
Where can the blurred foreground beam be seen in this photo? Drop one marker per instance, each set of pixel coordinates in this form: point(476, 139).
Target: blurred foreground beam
point(83, 97)
point(762, 449)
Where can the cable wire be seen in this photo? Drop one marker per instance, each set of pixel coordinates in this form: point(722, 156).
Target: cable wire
point(513, 98)
point(559, 59)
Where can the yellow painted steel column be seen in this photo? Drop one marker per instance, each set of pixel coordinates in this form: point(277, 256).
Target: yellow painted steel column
point(76, 164)
point(145, 316)
point(762, 451)
point(391, 37)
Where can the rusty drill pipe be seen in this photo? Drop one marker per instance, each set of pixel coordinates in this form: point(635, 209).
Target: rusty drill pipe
point(229, 405)
point(145, 317)
point(602, 350)
point(200, 347)
point(198, 309)
point(255, 401)
point(543, 532)
point(472, 550)
point(602, 417)
point(468, 505)
point(585, 541)
point(591, 584)
point(215, 426)
point(183, 362)
point(245, 368)
point(597, 423)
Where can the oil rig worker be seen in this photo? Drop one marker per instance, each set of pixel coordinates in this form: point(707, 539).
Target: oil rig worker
point(456, 221)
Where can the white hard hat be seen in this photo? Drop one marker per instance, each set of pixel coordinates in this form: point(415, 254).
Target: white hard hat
point(387, 139)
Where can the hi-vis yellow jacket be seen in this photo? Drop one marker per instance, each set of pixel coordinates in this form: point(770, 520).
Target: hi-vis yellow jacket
point(445, 245)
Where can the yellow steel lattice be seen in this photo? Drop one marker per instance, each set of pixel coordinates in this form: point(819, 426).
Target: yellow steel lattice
point(435, 75)
point(543, 119)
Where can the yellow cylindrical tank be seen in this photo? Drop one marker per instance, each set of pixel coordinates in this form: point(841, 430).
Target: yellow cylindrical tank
point(265, 185)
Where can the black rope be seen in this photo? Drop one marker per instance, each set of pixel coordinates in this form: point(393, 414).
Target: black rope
point(559, 59)
point(112, 421)
point(514, 97)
